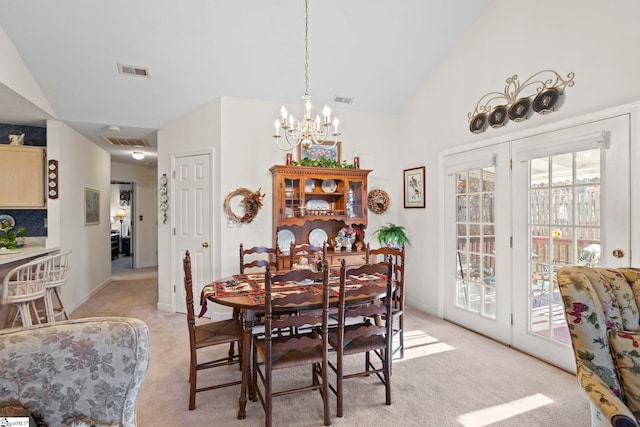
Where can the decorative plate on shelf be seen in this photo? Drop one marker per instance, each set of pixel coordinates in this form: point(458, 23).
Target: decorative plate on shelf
point(285, 238)
point(316, 204)
point(329, 186)
point(317, 237)
point(6, 217)
point(309, 185)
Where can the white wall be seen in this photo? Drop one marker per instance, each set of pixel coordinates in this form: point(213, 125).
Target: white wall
point(197, 132)
point(145, 198)
point(15, 75)
point(81, 164)
point(594, 39)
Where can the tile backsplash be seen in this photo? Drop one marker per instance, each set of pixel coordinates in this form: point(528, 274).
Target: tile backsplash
point(33, 220)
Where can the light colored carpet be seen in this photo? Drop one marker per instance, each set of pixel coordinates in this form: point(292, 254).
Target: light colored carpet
point(448, 376)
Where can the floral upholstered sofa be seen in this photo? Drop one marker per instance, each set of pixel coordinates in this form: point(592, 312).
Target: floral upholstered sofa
point(76, 372)
point(601, 307)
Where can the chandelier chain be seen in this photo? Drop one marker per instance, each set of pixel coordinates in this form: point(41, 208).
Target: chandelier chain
point(307, 131)
point(306, 48)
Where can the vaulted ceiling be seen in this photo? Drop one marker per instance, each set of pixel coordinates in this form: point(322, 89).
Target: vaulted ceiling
point(377, 52)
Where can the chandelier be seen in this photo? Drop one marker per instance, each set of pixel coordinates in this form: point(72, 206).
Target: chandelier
point(308, 131)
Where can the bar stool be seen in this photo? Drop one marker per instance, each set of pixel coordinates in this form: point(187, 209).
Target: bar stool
point(57, 277)
point(24, 285)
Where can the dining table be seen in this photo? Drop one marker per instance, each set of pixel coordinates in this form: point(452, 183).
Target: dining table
point(245, 293)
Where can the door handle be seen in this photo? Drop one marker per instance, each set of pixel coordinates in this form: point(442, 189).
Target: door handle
point(618, 253)
point(205, 245)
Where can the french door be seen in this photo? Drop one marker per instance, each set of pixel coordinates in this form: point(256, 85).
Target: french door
point(571, 206)
point(478, 255)
point(515, 212)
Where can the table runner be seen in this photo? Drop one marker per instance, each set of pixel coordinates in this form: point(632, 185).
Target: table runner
point(252, 285)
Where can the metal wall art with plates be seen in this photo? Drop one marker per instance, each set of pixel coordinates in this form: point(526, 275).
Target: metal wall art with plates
point(164, 197)
point(515, 103)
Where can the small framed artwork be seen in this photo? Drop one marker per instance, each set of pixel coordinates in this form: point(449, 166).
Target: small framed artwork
point(414, 188)
point(326, 150)
point(91, 206)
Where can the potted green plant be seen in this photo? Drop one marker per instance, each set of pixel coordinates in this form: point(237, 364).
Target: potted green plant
point(392, 235)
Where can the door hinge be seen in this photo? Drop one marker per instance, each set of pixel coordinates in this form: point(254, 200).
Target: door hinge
point(510, 164)
point(174, 289)
point(511, 242)
point(174, 231)
point(173, 173)
point(511, 315)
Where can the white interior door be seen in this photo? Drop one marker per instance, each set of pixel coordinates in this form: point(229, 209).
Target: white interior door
point(477, 228)
point(571, 205)
point(192, 223)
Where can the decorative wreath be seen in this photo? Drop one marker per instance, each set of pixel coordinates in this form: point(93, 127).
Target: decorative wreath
point(378, 201)
point(252, 202)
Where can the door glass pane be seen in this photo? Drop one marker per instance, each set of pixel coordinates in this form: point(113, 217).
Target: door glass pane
point(475, 225)
point(564, 229)
point(354, 199)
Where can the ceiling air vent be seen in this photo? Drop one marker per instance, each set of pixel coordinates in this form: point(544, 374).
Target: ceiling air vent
point(130, 70)
point(127, 142)
point(343, 99)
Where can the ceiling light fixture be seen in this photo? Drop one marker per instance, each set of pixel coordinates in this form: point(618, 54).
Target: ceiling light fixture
point(138, 155)
point(307, 131)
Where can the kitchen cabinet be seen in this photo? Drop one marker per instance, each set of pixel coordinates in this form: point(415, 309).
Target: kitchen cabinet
point(22, 172)
point(312, 204)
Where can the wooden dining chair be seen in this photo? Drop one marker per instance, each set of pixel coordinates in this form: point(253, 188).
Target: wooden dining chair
point(308, 251)
point(258, 257)
point(397, 258)
point(357, 332)
point(274, 351)
point(207, 335)
point(22, 287)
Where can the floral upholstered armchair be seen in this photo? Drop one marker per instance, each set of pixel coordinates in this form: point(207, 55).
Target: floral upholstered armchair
point(76, 372)
point(601, 307)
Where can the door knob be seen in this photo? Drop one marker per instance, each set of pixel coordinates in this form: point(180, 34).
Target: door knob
point(618, 253)
point(205, 245)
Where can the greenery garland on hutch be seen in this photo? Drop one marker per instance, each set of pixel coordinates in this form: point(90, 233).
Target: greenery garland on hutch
point(308, 201)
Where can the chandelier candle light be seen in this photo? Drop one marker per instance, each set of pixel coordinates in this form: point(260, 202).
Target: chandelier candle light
point(307, 131)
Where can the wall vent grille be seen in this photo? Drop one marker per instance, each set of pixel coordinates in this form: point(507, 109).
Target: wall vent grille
point(127, 142)
point(343, 99)
point(131, 70)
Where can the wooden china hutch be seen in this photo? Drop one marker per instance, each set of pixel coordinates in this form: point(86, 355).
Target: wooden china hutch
point(312, 204)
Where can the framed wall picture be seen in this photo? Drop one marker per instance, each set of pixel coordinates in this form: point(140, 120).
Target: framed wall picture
point(91, 206)
point(414, 188)
point(323, 151)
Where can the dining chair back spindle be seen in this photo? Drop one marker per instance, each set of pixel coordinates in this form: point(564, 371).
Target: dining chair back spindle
point(207, 335)
point(303, 346)
point(398, 259)
point(22, 287)
point(357, 330)
point(306, 251)
point(258, 257)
